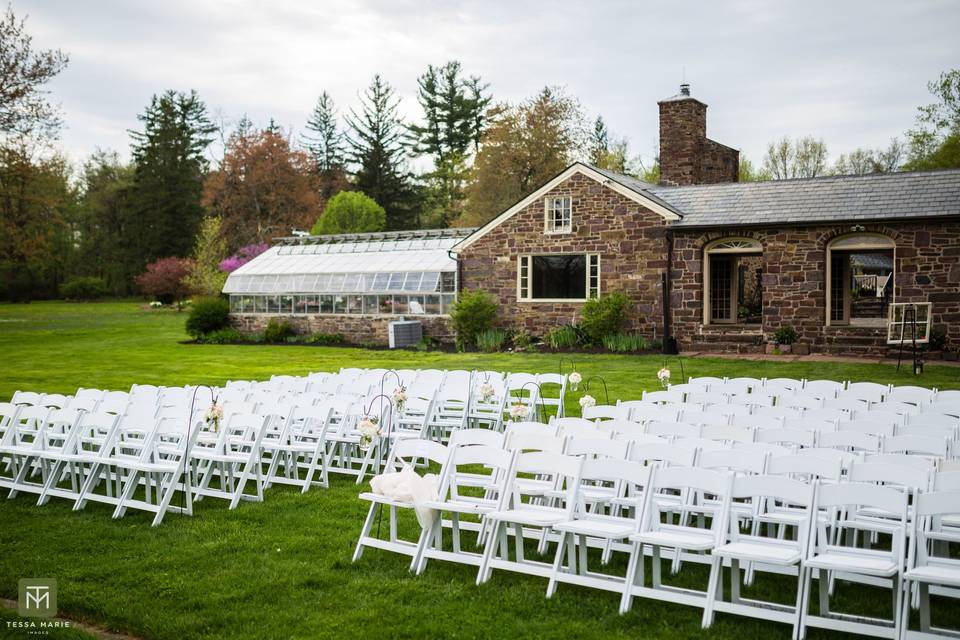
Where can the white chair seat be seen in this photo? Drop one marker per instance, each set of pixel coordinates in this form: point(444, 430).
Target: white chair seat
point(854, 563)
point(381, 499)
point(533, 516)
point(532, 486)
point(475, 506)
point(682, 538)
point(784, 554)
point(936, 574)
point(598, 528)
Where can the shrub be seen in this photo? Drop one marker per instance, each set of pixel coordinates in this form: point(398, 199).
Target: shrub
point(83, 288)
point(426, 343)
point(938, 338)
point(328, 339)
point(522, 340)
point(473, 313)
point(785, 335)
point(604, 316)
point(491, 340)
point(165, 279)
point(351, 212)
point(223, 336)
point(625, 342)
point(242, 257)
point(278, 331)
point(208, 315)
point(562, 337)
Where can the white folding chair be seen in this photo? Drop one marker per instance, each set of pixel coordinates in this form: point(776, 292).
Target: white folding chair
point(761, 552)
point(928, 561)
point(405, 453)
point(590, 525)
point(696, 541)
point(828, 555)
point(234, 461)
point(533, 513)
point(466, 495)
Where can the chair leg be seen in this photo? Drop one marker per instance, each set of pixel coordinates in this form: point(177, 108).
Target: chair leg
point(713, 587)
point(364, 532)
point(557, 563)
point(630, 580)
point(484, 573)
point(803, 595)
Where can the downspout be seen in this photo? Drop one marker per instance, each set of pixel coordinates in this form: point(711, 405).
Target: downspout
point(669, 342)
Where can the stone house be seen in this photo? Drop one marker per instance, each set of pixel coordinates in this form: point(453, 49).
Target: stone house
point(719, 265)
point(722, 265)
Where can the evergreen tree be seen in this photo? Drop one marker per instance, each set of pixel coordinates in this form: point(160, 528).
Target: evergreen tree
point(599, 141)
point(454, 108)
point(325, 146)
point(170, 168)
point(376, 148)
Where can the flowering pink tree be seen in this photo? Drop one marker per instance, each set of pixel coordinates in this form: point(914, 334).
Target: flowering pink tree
point(165, 279)
point(243, 256)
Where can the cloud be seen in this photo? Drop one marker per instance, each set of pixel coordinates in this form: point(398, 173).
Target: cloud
point(852, 73)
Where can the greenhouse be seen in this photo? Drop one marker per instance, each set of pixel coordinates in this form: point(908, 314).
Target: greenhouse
point(403, 273)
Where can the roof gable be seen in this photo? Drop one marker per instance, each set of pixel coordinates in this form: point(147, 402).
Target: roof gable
point(626, 186)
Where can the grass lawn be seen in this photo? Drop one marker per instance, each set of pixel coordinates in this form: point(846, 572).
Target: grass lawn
point(281, 569)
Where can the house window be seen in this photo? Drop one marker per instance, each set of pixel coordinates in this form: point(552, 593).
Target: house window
point(733, 282)
point(860, 279)
point(569, 276)
point(557, 216)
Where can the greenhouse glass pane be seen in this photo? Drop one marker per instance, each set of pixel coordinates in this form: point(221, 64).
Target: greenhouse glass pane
point(415, 306)
point(448, 282)
point(429, 282)
point(323, 282)
point(431, 305)
point(339, 304)
point(286, 304)
point(400, 304)
point(249, 304)
point(412, 283)
point(273, 304)
point(448, 301)
point(326, 304)
point(336, 282)
point(235, 304)
point(370, 305)
point(386, 305)
point(396, 282)
point(354, 304)
point(352, 282)
point(381, 281)
point(313, 304)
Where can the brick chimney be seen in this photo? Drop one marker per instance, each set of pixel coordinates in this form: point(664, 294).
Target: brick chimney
point(687, 156)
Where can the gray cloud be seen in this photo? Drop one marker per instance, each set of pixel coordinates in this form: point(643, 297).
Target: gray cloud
point(852, 72)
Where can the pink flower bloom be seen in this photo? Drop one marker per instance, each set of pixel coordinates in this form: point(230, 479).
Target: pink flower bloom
point(243, 256)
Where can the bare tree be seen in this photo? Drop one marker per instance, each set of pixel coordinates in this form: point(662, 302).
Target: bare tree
point(801, 158)
point(24, 105)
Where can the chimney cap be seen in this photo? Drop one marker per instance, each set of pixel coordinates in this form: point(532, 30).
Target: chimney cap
point(685, 89)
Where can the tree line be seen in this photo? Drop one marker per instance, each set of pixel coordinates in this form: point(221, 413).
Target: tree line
point(349, 170)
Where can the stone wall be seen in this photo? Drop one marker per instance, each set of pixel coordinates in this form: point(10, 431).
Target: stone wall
point(794, 271)
point(356, 329)
point(629, 238)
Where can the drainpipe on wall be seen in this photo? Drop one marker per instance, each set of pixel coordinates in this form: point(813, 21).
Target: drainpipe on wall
point(666, 280)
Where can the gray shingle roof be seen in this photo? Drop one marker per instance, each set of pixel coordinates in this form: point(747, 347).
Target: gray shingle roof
point(888, 196)
point(639, 186)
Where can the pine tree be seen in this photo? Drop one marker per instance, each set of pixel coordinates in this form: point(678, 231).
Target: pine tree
point(375, 140)
point(454, 109)
point(326, 147)
point(170, 168)
point(599, 141)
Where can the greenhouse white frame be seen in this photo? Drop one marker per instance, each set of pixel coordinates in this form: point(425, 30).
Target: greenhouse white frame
point(388, 273)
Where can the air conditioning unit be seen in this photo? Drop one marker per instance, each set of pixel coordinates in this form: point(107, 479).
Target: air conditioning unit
point(405, 333)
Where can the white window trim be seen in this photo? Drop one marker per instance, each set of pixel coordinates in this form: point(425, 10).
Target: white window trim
point(527, 259)
point(857, 241)
point(548, 204)
point(734, 245)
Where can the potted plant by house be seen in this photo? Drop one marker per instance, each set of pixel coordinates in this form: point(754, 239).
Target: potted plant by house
point(783, 339)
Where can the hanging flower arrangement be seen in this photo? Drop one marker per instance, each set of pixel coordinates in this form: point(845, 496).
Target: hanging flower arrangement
point(399, 397)
point(519, 411)
point(486, 392)
point(213, 416)
point(574, 379)
point(369, 429)
point(587, 401)
point(664, 376)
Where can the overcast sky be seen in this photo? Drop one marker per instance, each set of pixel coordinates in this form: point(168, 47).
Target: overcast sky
point(850, 72)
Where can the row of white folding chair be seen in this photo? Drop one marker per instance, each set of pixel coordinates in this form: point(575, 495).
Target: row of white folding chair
point(735, 549)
